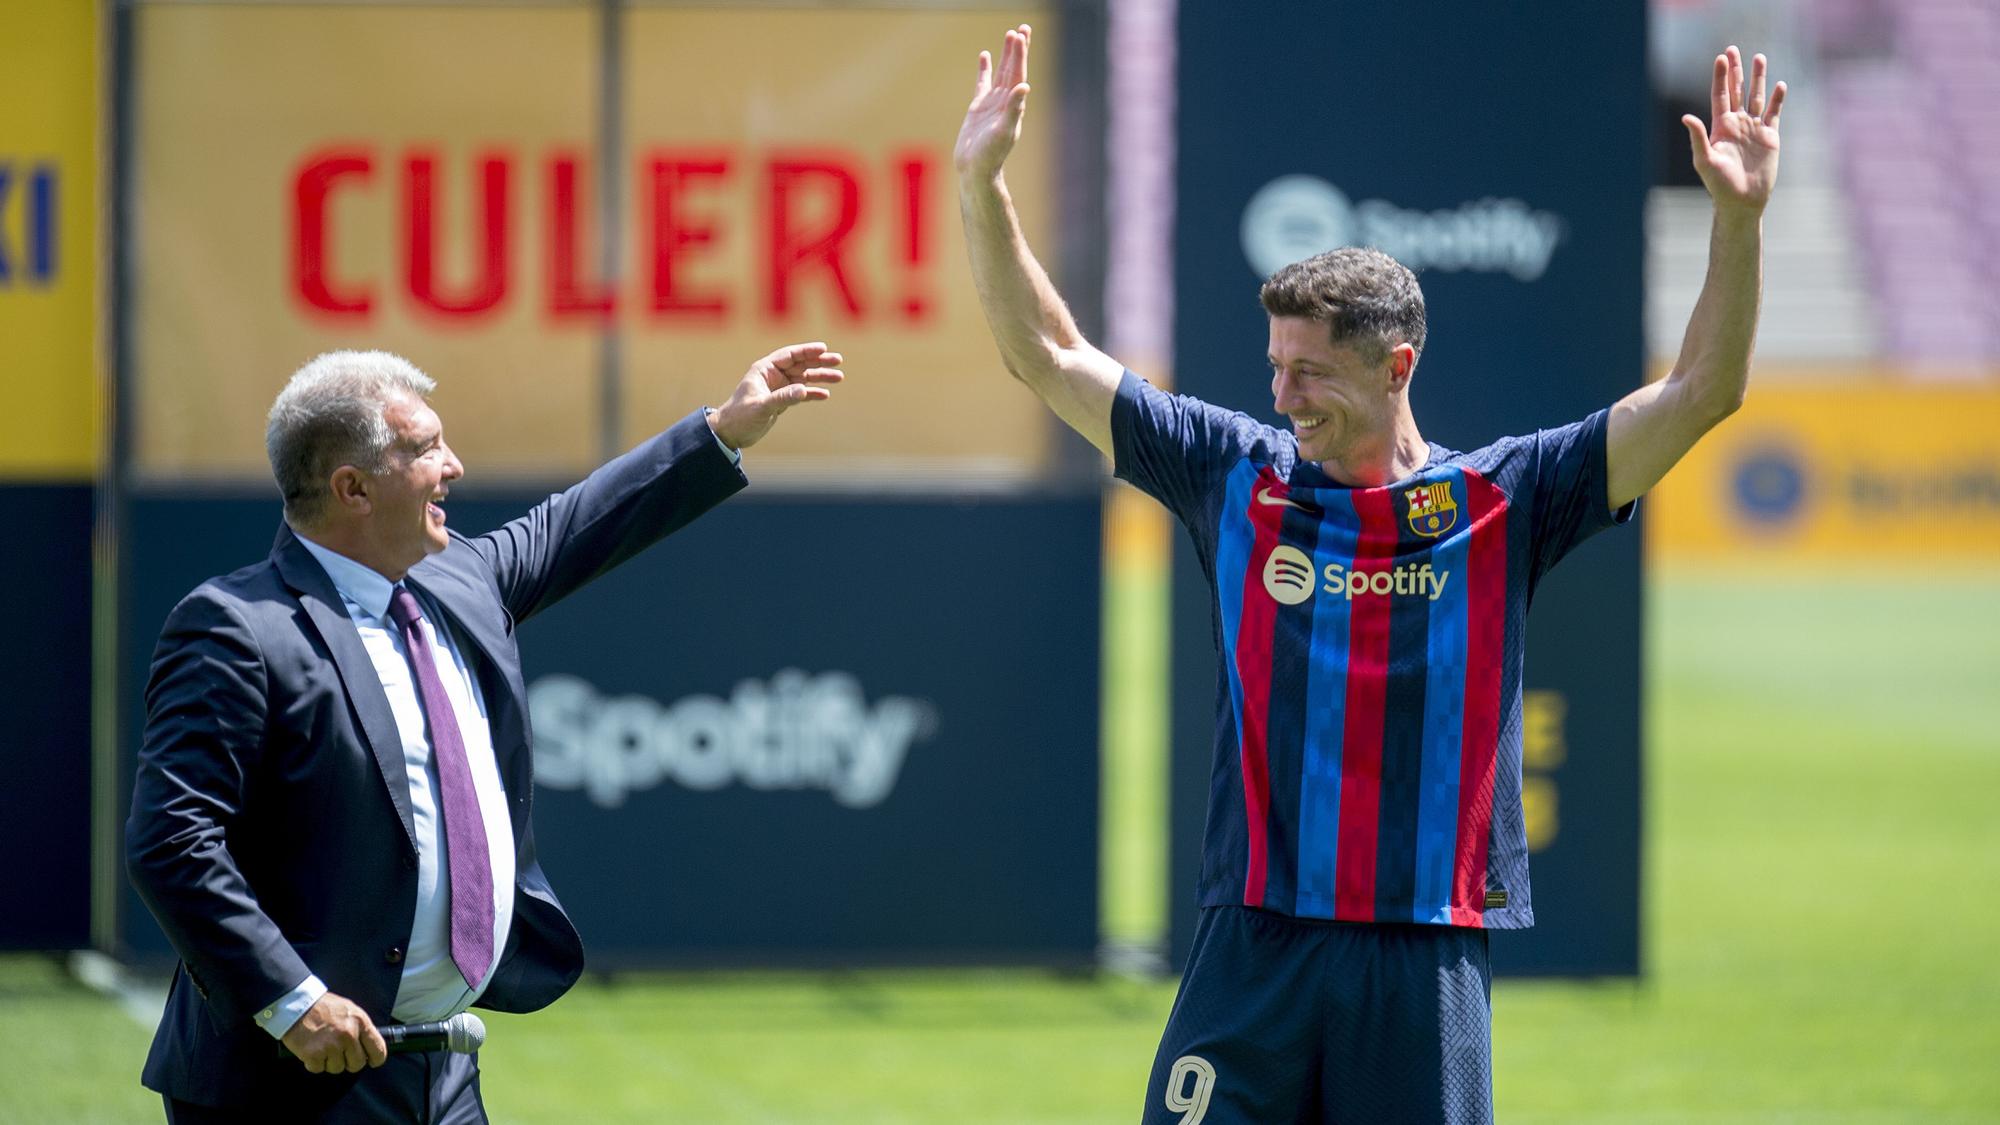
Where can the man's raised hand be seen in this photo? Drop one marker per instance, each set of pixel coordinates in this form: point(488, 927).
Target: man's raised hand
point(1736, 155)
point(999, 101)
point(774, 384)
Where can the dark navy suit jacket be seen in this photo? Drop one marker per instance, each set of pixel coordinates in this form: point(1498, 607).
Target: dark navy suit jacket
point(270, 831)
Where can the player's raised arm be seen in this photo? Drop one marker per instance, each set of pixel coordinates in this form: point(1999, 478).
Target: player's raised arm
point(1737, 157)
point(1038, 339)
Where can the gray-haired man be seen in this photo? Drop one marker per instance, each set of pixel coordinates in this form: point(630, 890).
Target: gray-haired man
point(330, 815)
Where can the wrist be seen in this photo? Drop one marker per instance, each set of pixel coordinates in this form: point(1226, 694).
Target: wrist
point(713, 416)
point(1739, 216)
point(981, 187)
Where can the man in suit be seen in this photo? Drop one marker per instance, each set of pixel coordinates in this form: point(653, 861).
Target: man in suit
point(330, 818)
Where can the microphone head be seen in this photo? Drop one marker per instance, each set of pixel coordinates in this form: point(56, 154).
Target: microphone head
point(467, 1033)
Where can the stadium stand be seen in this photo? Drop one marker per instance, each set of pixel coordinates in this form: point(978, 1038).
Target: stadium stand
point(1887, 246)
point(1911, 90)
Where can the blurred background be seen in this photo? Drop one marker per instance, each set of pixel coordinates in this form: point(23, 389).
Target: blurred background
point(875, 794)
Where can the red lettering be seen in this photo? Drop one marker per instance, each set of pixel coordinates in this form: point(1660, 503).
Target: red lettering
point(914, 169)
point(570, 296)
point(419, 207)
point(315, 181)
point(676, 235)
point(795, 247)
point(812, 252)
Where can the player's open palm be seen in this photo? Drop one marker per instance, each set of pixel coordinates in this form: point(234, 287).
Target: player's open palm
point(1736, 155)
point(999, 101)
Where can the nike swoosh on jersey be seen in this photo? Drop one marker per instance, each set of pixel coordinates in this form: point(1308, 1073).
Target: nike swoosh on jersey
point(1263, 496)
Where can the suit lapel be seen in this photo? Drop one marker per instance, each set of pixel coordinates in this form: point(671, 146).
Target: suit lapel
point(328, 615)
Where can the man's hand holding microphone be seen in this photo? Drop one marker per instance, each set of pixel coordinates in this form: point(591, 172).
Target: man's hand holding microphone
point(336, 1037)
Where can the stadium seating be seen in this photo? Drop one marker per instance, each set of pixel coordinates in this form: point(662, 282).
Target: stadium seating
point(1915, 106)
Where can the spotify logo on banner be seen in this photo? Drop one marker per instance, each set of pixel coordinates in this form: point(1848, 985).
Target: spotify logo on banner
point(1288, 575)
point(1296, 216)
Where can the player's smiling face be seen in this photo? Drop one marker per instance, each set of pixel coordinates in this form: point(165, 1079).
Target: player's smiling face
point(1336, 395)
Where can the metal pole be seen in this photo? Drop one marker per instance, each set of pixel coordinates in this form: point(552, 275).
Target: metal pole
point(108, 554)
point(610, 169)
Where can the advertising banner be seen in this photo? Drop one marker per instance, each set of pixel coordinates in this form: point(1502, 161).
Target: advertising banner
point(45, 777)
point(370, 193)
point(831, 735)
point(430, 180)
point(49, 435)
point(1853, 470)
point(48, 241)
point(1417, 129)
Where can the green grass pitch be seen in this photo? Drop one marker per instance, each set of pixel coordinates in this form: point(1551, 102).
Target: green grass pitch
point(1822, 903)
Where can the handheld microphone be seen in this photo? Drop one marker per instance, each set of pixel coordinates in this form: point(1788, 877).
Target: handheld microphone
point(462, 1034)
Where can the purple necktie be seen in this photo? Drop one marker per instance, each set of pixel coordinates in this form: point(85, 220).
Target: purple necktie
point(464, 829)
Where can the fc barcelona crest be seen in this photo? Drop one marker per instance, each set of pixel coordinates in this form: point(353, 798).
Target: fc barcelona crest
point(1432, 510)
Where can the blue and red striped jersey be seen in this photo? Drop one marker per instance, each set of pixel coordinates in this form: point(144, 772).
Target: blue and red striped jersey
point(1368, 703)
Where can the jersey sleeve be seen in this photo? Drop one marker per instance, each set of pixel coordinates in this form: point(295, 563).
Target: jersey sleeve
point(1173, 447)
point(1572, 489)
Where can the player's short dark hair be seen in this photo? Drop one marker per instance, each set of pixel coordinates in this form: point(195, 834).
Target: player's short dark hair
point(1362, 295)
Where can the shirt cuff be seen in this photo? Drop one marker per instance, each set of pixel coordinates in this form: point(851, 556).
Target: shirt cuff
point(278, 1018)
point(735, 455)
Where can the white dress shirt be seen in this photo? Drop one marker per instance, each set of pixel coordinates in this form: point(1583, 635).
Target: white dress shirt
point(432, 987)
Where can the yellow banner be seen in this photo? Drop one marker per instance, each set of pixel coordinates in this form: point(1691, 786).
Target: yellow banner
point(1855, 471)
point(49, 388)
point(426, 180)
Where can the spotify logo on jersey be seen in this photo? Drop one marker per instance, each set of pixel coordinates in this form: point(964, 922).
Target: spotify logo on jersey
point(1289, 579)
point(1288, 575)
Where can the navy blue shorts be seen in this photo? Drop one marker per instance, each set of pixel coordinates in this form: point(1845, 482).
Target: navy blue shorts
point(1284, 1019)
